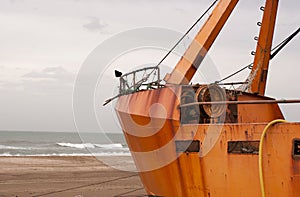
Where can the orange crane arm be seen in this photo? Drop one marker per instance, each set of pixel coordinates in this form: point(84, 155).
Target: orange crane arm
point(192, 58)
point(263, 49)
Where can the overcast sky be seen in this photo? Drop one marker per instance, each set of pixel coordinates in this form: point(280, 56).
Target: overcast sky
point(44, 43)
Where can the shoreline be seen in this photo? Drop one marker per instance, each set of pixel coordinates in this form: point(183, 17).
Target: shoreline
point(65, 176)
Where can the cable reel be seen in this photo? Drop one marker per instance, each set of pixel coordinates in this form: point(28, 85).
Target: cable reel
point(211, 93)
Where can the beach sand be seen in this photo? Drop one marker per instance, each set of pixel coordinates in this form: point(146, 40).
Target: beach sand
point(65, 176)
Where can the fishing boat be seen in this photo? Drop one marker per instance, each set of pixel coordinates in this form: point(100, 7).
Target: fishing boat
point(207, 139)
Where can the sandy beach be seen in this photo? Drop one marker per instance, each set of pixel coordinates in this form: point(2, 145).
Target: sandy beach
point(65, 176)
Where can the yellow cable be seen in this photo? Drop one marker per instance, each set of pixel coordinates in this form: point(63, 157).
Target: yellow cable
point(261, 179)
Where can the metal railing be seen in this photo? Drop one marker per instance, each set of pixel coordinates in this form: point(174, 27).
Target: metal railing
point(141, 79)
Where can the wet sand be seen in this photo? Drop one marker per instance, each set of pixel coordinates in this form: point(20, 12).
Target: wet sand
point(65, 176)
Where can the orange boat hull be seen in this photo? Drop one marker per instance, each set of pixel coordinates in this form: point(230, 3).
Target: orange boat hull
point(152, 127)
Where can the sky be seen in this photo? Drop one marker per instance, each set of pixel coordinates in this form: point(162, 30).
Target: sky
point(44, 45)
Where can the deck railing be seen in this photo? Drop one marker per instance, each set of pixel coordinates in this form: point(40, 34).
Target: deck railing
point(141, 79)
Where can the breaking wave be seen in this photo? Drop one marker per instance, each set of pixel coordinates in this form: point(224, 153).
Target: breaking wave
point(90, 145)
point(67, 154)
point(13, 147)
point(80, 146)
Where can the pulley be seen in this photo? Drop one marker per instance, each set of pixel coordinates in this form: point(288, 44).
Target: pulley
point(211, 93)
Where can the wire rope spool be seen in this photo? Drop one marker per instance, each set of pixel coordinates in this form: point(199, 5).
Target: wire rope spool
point(211, 93)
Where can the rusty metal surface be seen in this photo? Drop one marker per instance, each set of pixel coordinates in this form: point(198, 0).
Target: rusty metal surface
point(263, 49)
point(212, 171)
point(152, 122)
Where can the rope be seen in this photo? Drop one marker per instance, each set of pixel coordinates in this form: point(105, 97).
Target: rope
point(179, 41)
point(280, 45)
point(261, 178)
point(283, 43)
point(82, 186)
point(248, 66)
point(188, 31)
point(207, 10)
point(288, 38)
point(122, 195)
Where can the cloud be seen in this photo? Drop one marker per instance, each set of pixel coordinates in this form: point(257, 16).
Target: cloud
point(54, 79)
point(50, 80)
point(53, 73)
point(95, 25)
point(16, 1)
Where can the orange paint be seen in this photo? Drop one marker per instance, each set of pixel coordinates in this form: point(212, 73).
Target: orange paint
point(226, 161)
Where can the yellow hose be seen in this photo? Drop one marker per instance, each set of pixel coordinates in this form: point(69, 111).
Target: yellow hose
point(261, 178)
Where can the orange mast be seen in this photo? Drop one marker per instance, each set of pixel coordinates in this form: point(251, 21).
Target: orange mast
point(190, 61)
point(263, 50)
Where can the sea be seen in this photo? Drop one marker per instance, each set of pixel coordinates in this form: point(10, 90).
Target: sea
point(29, 143)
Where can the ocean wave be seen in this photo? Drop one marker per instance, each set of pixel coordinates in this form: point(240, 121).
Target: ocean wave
point(67, 154)
point(13, 147)
point(90, 145)
point(109, 146)
point(80, 146)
